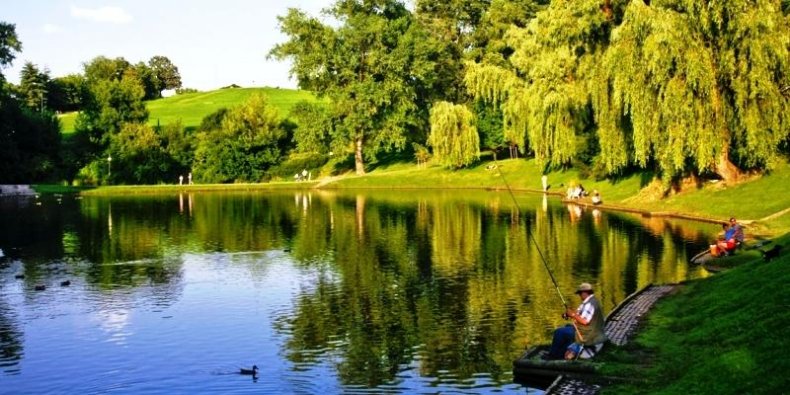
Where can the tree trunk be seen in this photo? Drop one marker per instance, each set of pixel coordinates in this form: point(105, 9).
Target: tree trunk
point(726, 169)
point(359, 164)
point(360, 214)
point(607, 9)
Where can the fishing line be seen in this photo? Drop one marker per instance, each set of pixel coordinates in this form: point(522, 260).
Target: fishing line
point(535, 243)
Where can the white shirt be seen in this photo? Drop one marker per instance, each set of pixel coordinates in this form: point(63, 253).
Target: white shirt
point(586, 309)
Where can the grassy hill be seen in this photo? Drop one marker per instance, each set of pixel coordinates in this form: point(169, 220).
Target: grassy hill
point(192, 107)
point(722, 335)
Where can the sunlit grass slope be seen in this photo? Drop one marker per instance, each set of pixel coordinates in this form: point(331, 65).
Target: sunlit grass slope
point(723, 335)
point(190, 108)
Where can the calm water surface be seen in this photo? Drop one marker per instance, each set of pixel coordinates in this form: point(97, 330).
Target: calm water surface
point(326, 292)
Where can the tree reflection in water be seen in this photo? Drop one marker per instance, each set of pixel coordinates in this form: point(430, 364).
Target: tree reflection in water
point(444, 285)
point(452, 282)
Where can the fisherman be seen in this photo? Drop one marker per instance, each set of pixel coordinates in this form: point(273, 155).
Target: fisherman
point(733, 237)
point(587, 328)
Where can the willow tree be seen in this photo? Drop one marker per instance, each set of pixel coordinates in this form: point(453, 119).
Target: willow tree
point(699, 82)
point(545, 97)
point(453, 135)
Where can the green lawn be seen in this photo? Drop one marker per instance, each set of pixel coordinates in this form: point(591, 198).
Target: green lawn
point(749, 201)
point(190, 108)
point(520, 175)
point(722, 335)
point(170, 188)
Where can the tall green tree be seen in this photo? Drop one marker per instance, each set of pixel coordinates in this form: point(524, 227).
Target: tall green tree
point(148, 80)
point(34, 86)
point(138, 155)
point(102, 68)
point(454, 135)
point(544, 94)
point(9, 45)
point(375, 65)
point(67, 93)
point(29, 140)
point(700, 84)
point(165, 73)
point(313, 127)
point(475, 31)
point(249, 141)
point(113, 99)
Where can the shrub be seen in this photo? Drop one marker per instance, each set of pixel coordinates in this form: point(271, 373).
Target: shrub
point(295, 163)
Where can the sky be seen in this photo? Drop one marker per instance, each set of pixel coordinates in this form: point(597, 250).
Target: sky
point(213, 43)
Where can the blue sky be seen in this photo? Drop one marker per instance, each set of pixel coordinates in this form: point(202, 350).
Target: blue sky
point(213, 42)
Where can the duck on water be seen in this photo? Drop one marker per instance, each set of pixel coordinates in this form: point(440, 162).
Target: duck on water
point(249, 372)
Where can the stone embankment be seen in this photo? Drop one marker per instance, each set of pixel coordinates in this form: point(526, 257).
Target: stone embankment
point(16, 190)
point(620, 327)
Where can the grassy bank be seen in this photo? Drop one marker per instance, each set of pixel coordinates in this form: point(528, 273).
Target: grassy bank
point(154, 189)
point(723, 335)
point(760, 202)
point(190, 108)
point(57, 189)
point(754, 201)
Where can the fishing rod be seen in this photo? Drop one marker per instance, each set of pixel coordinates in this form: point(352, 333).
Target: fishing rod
point(537, 247)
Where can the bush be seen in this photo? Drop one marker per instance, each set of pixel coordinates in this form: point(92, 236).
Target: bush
point(295, 163)
point(181, 91)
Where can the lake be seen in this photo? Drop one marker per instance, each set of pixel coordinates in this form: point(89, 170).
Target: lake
point(325, 291)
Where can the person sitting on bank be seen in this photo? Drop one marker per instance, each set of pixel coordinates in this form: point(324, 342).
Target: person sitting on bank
point(596, 198)
point(588, 328)
point(733, 236)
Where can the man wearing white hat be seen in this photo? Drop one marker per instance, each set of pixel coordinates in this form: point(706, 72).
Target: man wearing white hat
point(587, 328)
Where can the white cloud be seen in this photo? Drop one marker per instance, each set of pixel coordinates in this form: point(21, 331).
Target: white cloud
point(50, 28)
point(102, 14)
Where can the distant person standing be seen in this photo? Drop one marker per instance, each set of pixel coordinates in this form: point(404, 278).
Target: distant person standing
point(181, 179)
point(190, 178)
point(545, 181)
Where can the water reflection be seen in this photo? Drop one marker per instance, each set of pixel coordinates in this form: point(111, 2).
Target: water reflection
point(11, 349)
point(404, 291)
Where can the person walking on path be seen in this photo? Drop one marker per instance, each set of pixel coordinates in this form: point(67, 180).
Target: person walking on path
point(587, 328)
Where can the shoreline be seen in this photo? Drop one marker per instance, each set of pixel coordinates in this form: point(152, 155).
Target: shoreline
point(319, 185)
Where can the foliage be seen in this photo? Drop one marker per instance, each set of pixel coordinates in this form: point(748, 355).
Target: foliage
point(314, 127)
point(296, 163)
point(489, 125)
point(148, 80)
point(66, 93)
point(678, 84)
point(250, 140)
point(29, 142)
point(453, 135)
point(115, 97)
point(489, 37)
point(138, 155)
point(166, 75)
point(183, 91)
point(9, 44)
point(697, 84)
point(376, 67)
point(34, 86)
point(421, 154)
point(103, 68)
point(213, 121)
